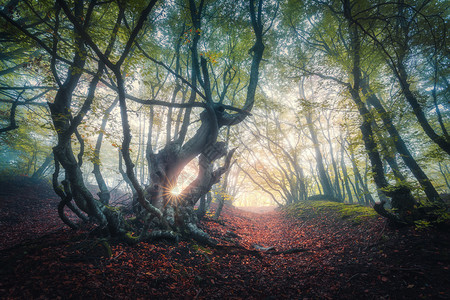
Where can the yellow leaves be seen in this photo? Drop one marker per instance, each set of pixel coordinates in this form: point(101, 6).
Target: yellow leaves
point(222, 195)
point(211, 56)
point(188, 36)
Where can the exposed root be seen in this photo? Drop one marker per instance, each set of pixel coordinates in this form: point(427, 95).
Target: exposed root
point(237, 249)
point(289, 251)
point(393, 219)
point(263, 249)
point(200, 236)
point(272, 251)
point(160, 235)
point(63, 216)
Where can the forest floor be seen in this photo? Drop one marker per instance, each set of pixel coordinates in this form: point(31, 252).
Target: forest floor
point(318, 255)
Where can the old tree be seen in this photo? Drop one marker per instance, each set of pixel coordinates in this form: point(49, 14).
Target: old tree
point(87, 49)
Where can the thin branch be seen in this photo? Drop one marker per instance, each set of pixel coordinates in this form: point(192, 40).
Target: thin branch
point(18, 88)
point(12, 116)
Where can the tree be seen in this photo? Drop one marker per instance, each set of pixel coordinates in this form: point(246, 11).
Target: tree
point(64, 28)
point(414, 26)
point(323, 176)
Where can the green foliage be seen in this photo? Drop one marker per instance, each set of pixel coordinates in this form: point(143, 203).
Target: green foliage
point(25, 148)
point(221, 194)
point(431, 215)
point(306, 36)
point(422, 224)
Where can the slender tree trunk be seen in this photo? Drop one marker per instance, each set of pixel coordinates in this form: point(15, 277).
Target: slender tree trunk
point(336, 185)
point(201, 211)
point(366, 127)
point(175, 90)
point(142, 174)
point(303, 189)
point(104, 194)
point(221, 198)
point(43, 168)
point(444, 174)
point(358, 180)
point(315, 178)
point(323, 176)
point(442, 141)
point(345, 175)
point(401, 147)
point(124, 175)
point(208, 200)
point(138, 154)
point(400, 71)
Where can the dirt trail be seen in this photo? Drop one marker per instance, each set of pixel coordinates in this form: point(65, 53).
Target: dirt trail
point(343, 260)
point(283, 233)
point(329, 244)
point(270, 230)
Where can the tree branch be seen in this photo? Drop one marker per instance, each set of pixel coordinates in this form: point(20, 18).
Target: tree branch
point(12, 116)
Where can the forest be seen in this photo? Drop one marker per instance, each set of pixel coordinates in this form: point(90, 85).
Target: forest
point(257, 149)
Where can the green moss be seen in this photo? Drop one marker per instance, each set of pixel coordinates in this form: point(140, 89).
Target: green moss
point(431, 214)
point(201, 249)
point(310, 209)
point(130, 235)
point(113, 208)
point(130, 238)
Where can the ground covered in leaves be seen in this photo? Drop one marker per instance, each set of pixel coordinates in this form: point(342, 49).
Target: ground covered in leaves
point(312, 252)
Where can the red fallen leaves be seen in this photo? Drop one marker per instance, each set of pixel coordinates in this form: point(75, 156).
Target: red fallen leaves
point(27, 211)
point(342, 261)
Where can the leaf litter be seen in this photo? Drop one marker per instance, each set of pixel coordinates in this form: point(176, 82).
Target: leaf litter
point(334, 258)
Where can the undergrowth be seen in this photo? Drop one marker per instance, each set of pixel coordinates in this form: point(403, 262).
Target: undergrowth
point(354, 213)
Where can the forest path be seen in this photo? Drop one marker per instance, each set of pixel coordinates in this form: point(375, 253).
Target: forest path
point(335, 251)
point(271, 229)
point(311, 232)
point(342, 259)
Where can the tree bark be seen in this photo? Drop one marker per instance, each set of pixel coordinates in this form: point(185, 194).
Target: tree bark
point(399, 68)
point(104, 194)
point(345, 175)
point(442, 141)
point(39, 173)
point(323, 177)
point(401, 147)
